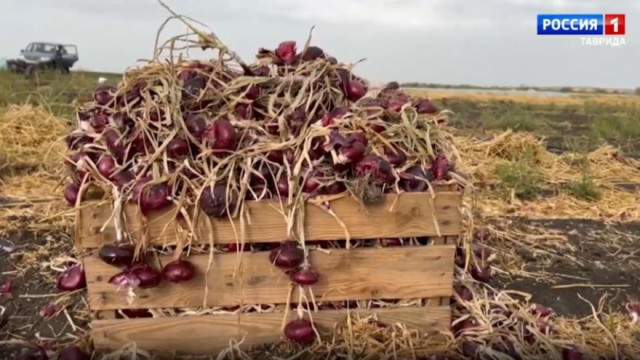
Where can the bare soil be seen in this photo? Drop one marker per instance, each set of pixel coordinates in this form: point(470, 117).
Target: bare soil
point(598, 260)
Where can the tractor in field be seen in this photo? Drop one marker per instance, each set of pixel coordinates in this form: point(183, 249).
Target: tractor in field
point(40, 56)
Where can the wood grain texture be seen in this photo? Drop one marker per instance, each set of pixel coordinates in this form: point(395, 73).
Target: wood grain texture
point(404, 215)
point(211, 333)
point(355, 274)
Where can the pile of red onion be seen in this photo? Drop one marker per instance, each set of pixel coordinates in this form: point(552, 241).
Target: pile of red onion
point(211, 135)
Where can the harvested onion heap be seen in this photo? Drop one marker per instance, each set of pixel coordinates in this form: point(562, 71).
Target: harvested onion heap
point(208, 136)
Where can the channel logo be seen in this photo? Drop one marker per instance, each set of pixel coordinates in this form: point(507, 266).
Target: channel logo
point(581, 24)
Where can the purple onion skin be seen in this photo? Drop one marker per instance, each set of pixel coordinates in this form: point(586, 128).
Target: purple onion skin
point(178, 148)
point(71, 193)
point(221, 136)
point(152, 197)
point(72, 352)
point(72, 279)
point(117, 254)
point(304, 277)
point(214, 201)
point(148, 276)
point(300, 331)
point(376, 167)
point(196, 125)
point(178, 271)
point(440, 167)
point(286, 52)
point(286, 256)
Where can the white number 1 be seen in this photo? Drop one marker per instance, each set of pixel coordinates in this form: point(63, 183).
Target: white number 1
point(614, 22)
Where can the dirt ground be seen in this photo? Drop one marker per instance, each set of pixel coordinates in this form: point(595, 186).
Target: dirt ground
point(596, 260)
point(24, 259)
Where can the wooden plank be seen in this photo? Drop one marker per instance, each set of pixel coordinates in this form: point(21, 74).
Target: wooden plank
point(404, 215)
point(211, 333)
point(355, 274)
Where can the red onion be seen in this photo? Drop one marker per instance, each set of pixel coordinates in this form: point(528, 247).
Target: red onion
point(397, 100)
point(300, 331)
point(460, 326)
point(125, 279)
point(152, 197)
point(461, 257)
point(261, 70)
point(214, 201)
point(464, 293)
point(123, 178)
point(297, 119)
point(194, 85)
point(117, 254)
point(304, 276)
point(414, 179)
point(148, 277)
point(286, 52)
point(220, 135)
point(358, 137)
point(137, 313)
point(376, 167)
point(243, 111)
point(395, 156)
point(351, 153)
point(99, 121)
point(440, 167)
point(6, 288)
point(106, 166)
point(571, 353)
point(195, 125)
point(282, 186)
point(272, 126)
point(287, 255)
point(424, 106)
point(334, 115)
point(76, 141)
point(481, 272)
point(178, 148)
point(356, 90)
point(122, 120)
point(253, 92)
point(114, 143)
point(279, 157)
point(336, 188)
point(392, 242)
point(481, 252)
point(103, 94)
point(470, 350)
point(72, 352)
point(50, 310)
point(71, 193)
point(72, 279)
point(233, 248)
point(178, 271)
point(156, 114)
point(312, 53)
point(310, 185)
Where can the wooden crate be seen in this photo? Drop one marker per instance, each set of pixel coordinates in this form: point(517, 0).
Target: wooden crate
point(345, 274)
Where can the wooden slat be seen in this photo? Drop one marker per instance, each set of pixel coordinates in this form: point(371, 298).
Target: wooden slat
point(210, 333)
point(355, 274)
point(411, 215)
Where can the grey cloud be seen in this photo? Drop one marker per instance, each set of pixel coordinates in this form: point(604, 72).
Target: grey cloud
point(487, 42)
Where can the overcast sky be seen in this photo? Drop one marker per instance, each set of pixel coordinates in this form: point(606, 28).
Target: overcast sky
point(481, 42)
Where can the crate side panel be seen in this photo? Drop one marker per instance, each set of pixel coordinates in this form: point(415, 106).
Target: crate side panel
point(403, 215)
point(354, 274)
point(210, 333)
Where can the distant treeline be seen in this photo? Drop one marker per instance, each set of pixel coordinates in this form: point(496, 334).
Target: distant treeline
point(564, 89)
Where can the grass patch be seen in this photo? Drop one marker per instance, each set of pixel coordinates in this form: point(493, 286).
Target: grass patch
point(56, 92)
point(522, 177)
point(517, 118)
point(584, 189)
